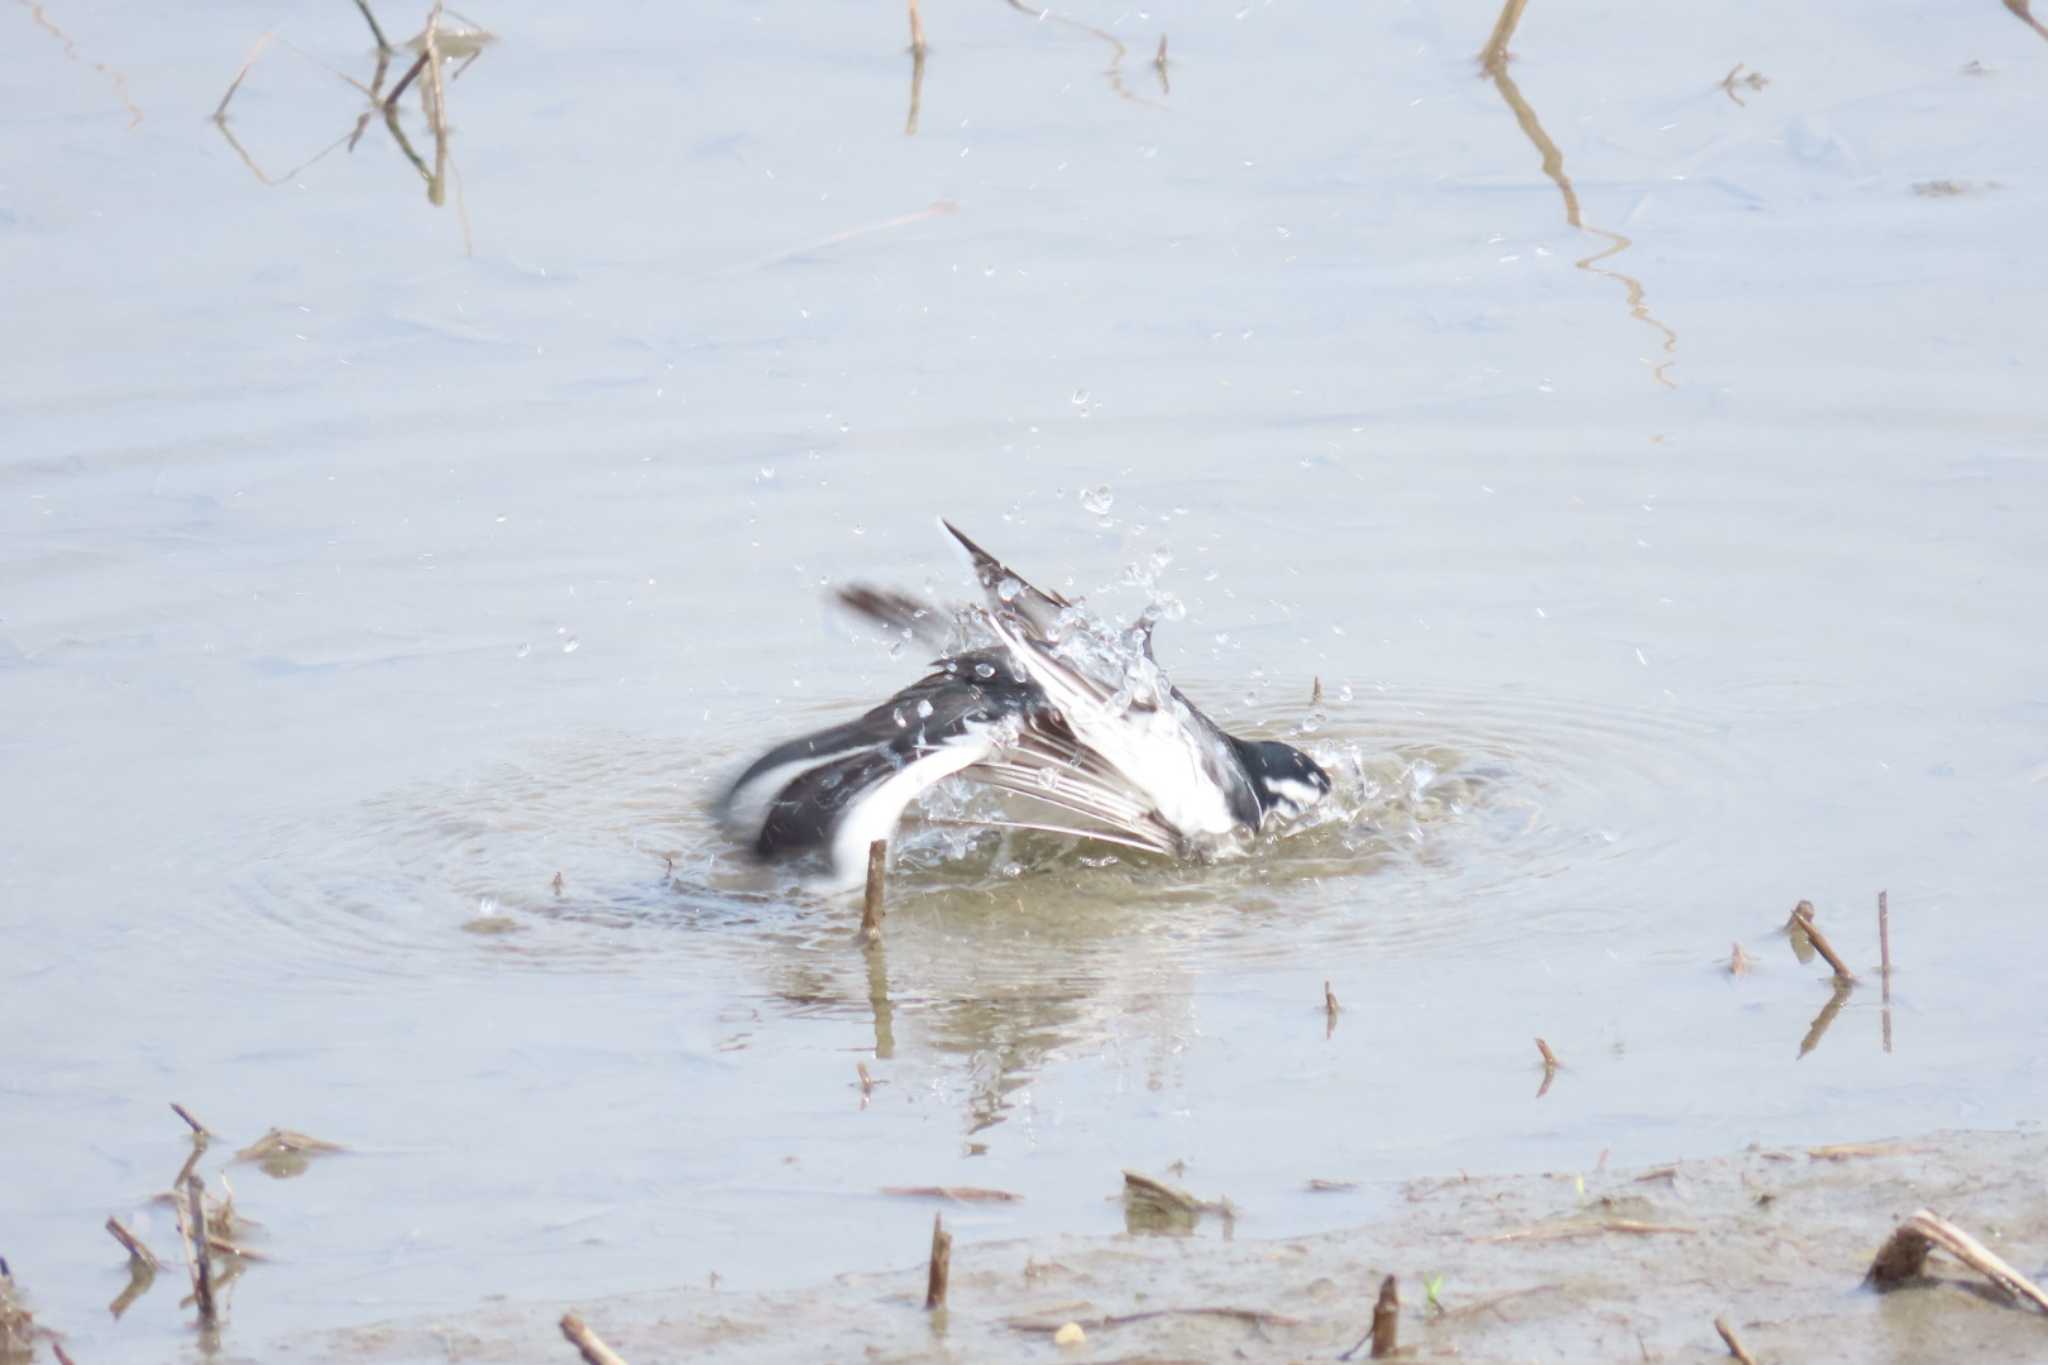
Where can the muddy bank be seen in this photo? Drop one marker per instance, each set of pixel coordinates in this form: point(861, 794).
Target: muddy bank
point(1599, 1264)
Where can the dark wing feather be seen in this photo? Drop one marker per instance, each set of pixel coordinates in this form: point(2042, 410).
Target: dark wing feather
point(1008, 590)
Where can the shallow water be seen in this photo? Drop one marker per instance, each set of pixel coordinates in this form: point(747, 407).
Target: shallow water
point(352, 587)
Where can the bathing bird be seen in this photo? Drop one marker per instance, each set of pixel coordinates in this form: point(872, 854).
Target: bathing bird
point(1043, 702)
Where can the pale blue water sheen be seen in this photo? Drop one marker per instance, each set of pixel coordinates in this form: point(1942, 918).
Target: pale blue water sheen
point(351, 587)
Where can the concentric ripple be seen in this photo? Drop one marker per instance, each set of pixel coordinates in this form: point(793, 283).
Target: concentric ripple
point(1463, 820)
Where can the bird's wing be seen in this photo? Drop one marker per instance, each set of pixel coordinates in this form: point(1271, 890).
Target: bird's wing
point(1044, 762)
point(1008, 590)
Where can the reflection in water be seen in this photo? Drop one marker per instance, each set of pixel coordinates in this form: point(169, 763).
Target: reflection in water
point(2024, 11)
point(436, 44)
point(1493, 59)
point(1755, 80)
point(916, 69)
point(1827, 1014)
point(1115, 72)
point(114, 78)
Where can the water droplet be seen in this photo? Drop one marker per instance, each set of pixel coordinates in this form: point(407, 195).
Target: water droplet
point(1097, 500)
point(1049, 778)
point(1013, 870)
point(924, 710)
point(524, 650)
point(897, 716)
point(984, 670)
point(570, 645)
point(1009, 588)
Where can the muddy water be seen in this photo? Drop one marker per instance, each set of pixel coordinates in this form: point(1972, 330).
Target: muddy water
point(1654, 480)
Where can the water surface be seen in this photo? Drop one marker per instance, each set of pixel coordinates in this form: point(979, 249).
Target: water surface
point(1652, 472)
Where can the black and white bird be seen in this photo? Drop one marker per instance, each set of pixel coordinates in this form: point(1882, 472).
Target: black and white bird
point(1053, 707)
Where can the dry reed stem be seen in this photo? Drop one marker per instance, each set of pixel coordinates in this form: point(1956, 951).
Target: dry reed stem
point(1735, 1347)
point(1494, 56)
point(917, 48)
point(199, 1130)
point(1550, 1062)
point(1904, 1257)
point(871, 903)
point(202, 1252)
point(1803, 912)
point(1884, 941)
point(941, 1267)
point(587, 1343)
point(1386, 1320)
point(1738, 961)
point(140, 1257)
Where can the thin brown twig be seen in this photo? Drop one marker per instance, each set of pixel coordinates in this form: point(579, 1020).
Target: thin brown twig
point(1803, 912)
point(1884, 941)
point(1735, 1346)
point(916, 31)
point(139, 1256)
point(588, 1343)
point(1738, 961)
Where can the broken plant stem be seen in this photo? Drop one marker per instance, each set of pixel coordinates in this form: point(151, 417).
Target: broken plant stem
point(871, 903)
point(941, 1267)
point(1735, 1347)
point(587, 1343)
point(1803, 912)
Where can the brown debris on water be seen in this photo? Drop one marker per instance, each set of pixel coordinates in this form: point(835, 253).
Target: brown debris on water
point(1802, 916)
point(1734, 1343)
point(282, 1153)
point(941, 1267)
point(1738, 962)
point(958, 1194)
point(1903, 1258)
point(1754, 81)
point(1317, 1185)
point(588, 1344)
point(1330, 1009)
point(1575, 1228)
point(1155, 1206)
point(17, 1324)
point(1551, 1066)
point(1257, 1317)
